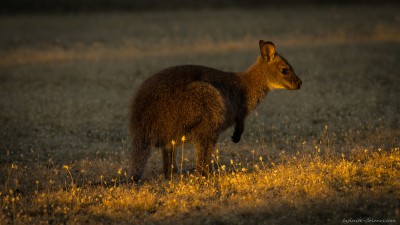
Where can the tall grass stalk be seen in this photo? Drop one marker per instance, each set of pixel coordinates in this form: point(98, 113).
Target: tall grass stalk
point(183, 147)
point(172, 159)
point(70, 176)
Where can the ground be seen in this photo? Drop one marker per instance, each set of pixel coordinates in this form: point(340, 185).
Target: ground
point(327, 153)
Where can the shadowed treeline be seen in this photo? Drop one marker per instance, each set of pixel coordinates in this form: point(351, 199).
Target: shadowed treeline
point(40, 6)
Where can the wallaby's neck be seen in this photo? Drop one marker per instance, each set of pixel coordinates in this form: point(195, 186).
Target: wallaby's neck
point(253, 83)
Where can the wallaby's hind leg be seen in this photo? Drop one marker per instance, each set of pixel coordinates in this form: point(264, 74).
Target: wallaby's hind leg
point(139, 157)
point(169, 161)
point(204, 150)
point(210, 105)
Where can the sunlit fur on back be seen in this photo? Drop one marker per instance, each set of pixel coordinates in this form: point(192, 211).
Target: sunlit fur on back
point(199, 103)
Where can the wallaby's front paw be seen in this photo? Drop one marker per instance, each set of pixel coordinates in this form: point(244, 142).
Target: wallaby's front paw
point(235, 138)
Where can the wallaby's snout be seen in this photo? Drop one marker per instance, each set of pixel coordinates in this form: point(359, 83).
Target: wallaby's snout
point(299, 83)
point(295, 84)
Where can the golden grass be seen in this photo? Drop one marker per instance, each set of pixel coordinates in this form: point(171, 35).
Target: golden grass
point(307, 186)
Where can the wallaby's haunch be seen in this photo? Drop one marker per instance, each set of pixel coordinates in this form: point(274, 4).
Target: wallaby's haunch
point(199, 103)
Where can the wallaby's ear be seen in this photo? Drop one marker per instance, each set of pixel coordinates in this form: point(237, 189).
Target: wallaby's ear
point(267, 50)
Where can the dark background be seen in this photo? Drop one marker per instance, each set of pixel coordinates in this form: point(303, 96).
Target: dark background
point(35, 6)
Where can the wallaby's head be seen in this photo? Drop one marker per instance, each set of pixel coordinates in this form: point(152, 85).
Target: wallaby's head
point(280, 74)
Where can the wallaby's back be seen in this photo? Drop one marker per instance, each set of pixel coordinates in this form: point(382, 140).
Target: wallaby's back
point(175, 101)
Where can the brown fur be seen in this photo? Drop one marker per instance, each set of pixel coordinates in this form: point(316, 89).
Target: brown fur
point(200, 102)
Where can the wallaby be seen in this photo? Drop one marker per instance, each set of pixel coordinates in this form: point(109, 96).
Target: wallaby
point(199, 103)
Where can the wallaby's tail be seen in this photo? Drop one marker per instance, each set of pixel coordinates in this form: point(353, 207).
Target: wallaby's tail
point(139, 156)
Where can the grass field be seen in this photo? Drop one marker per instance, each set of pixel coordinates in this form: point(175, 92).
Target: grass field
point(326, 154)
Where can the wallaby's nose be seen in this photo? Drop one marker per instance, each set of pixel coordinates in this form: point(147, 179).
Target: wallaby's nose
point(299, 84)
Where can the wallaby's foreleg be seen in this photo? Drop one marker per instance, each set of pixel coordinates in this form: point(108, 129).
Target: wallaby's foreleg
point(239, 128)
point(169, 161)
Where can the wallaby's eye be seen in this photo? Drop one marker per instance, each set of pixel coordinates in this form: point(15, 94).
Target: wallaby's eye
point(285, 71)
